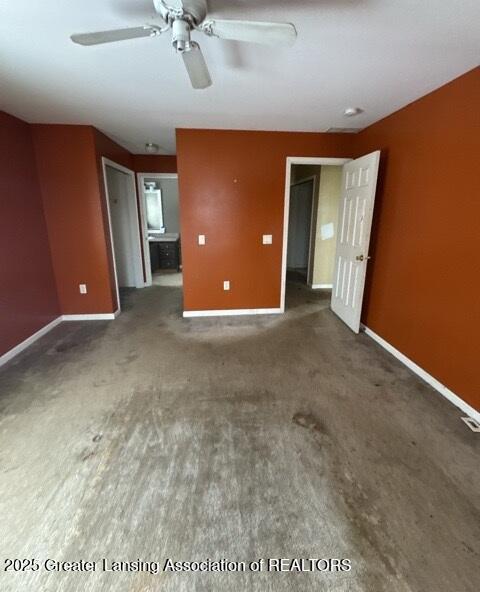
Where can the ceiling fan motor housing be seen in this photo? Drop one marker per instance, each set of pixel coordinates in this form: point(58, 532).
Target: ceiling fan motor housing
point(181, 35)
point(194, 10)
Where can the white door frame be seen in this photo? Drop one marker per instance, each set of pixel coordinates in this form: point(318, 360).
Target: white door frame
point(143, 218)
point(291, 160)
point(134, 227)
point(310, 238)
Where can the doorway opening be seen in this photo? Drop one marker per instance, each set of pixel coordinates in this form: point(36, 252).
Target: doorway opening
point(313, 202)
point(328, 215)
point(313, 220)
point(160, 223)
point(121, 201)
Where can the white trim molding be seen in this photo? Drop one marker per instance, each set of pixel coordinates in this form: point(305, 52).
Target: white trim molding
point(321, 286)
point(188, 314)
point(107, 316)
point(7, 356)
point(424, 375)
point(10, 354)
point(134, 225)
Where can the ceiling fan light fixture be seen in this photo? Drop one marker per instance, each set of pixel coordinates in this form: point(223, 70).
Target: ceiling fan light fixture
point(151, 148)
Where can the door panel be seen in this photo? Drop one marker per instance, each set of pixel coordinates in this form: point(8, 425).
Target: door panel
point(356, 213)
point(299, 225)
point(123, 243)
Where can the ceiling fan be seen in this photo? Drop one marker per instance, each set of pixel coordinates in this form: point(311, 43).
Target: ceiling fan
point(183, 16)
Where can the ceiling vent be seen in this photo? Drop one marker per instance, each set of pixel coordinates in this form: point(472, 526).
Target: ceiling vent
point(343, 130)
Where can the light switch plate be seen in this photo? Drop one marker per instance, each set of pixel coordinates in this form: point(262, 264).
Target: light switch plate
point(267, 239)
point(201, 239)
point(226, 285)
point(82, 288)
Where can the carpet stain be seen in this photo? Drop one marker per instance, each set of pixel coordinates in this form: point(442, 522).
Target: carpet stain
point(310, 422)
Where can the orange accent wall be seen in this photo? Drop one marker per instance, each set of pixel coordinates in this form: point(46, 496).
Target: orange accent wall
point(67, 164)
point(152, 163)
point(232, 186)
point(28, 297)
point(424, 277)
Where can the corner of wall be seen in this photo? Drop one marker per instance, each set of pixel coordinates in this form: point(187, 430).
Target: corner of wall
point(68, 174)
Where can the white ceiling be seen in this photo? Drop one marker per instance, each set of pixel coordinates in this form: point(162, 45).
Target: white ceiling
point(375, 54)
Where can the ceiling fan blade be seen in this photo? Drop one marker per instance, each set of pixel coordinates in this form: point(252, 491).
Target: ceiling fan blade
point(115, 35)
point(197, 67)
point(252, 31)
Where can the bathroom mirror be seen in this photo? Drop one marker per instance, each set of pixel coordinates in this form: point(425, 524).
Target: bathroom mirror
point(153, 201)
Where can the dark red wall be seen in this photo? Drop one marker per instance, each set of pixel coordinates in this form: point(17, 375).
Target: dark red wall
point(52, 181)
point(110, 149)
point(28, 298)
point(67, 162)
point(146, 163)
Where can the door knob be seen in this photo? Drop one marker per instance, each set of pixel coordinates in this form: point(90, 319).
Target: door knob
point(362, 258)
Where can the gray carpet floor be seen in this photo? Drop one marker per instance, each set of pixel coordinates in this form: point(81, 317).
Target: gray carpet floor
point(152, 437)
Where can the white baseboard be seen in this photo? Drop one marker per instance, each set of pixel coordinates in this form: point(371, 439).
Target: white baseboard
point(7, 356)
point(321, 286)
point(230, 313)
point(108, 316)
point(424, 375)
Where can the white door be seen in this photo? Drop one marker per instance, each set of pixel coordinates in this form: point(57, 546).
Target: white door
point(359, 183)
point(119, 187)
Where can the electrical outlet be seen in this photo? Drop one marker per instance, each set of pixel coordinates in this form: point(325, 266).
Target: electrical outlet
point(226, 285)
point(83, 288)
point(201, 239)
point(267, 239)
